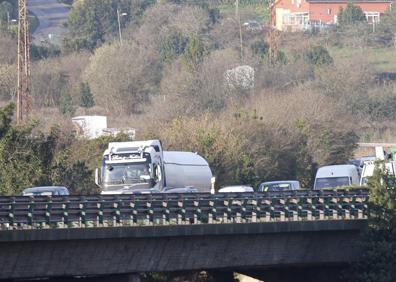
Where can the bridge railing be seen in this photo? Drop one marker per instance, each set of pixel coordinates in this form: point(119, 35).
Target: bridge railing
point(167, 209)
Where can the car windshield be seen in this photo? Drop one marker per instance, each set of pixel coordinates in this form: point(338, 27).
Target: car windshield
point(331, 182)
point(274, 187)
point(126, 173)
point(43, 193)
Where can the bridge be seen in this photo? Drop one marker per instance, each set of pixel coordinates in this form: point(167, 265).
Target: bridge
point(257, 233)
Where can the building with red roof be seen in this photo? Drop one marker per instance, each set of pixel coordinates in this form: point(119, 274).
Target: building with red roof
point(294, 15)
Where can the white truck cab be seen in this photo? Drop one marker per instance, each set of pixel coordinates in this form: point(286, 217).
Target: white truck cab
point(333, 176)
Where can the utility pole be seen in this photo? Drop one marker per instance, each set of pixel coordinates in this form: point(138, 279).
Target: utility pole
point(238, 17)
point(272, 33)
point(24, 82)
point(119, 15)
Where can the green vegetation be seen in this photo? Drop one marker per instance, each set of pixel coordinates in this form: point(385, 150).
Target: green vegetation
point(379, 242)
point(30, 157)
point(167, 80)
point(351, 15)
point(87, 100)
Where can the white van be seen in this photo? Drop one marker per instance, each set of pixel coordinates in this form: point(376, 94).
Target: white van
point(333, 176)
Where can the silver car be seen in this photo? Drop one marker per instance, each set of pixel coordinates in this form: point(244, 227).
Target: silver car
point(278, 186)
point(46, 191)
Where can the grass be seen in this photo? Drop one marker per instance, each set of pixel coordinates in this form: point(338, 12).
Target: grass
point(257, 12)
point(381, 59)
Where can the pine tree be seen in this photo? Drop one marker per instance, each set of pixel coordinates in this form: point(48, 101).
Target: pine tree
point(66, 104)
point(87, 100)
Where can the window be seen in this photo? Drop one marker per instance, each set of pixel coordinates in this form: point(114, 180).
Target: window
point(329, 11)
point(372, 17)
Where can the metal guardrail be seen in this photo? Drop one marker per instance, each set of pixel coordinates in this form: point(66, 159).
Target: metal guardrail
point(167, 209)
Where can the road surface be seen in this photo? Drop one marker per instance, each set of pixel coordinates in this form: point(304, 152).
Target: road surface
point(51, 15)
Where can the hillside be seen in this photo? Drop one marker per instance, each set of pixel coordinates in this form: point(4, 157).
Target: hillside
point(322, 93)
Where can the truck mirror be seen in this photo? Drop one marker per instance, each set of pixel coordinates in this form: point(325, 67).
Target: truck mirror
point(97, 177)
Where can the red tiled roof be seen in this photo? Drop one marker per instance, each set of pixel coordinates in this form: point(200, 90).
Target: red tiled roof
point(347, 1)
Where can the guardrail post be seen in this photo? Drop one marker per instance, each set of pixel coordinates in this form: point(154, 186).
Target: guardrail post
point(30, 214)
point(254, 211)
point(48, 208)
point(99, 216)
point(65, 215)
point(197, 213)
point(165, 213)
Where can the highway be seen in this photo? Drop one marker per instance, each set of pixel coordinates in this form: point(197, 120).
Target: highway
point(51, 15)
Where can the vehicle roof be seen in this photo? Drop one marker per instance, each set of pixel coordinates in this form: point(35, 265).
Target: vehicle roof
point(237, 188)
point(45, 189)
point(280, 182)
point(184, 158)
point(336, 170)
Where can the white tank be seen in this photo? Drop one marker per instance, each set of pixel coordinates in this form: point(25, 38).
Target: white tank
point(184, 169)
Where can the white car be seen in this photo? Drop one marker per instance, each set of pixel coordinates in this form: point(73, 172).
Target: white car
point(46, 191)
point(252, 26)
point(236, 188)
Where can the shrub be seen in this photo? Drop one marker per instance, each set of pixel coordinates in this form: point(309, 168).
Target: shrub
point(318, 55)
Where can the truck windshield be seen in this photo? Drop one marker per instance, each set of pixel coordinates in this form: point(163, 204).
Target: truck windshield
point(331, 182)
point(126, 173)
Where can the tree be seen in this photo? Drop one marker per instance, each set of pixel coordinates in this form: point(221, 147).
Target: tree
point(379, 243)
point(73, 174)
point(87, 100)
point(24, 158)
point(66, 104)
point(351, 15)
point(259, 49)
point(122, 78)
point(194, 52)
point(173, 46)
point(91, 22)
point(385, 30)
point(318, 55)
point(29, 157)
point(6, 9)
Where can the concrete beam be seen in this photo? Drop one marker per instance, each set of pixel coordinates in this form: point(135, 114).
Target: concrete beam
point(179, 230)
point(210, 247)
